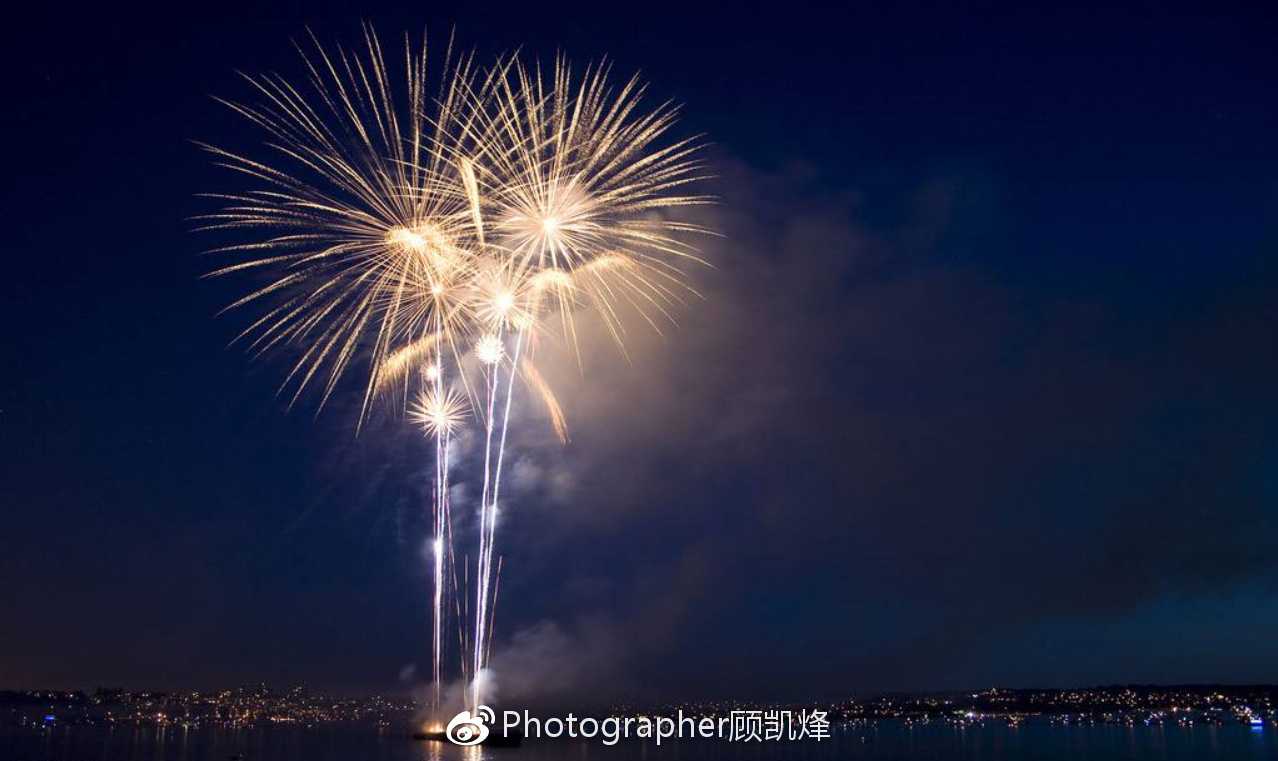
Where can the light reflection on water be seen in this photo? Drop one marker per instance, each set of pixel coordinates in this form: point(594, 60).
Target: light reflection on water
point(885, 742)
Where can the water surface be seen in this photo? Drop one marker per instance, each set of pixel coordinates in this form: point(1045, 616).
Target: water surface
point(882, 742)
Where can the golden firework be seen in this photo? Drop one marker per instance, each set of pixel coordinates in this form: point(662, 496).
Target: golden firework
point(368, 230)
point(412, 231)
point(572, 173)
point(439, 413)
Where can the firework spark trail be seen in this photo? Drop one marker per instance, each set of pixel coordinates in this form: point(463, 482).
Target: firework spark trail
point(492, 351)
point(441, 514)
point(505, 421)
point(441, 488)
point(483, 642)
point(439, 412)
point(492, 619)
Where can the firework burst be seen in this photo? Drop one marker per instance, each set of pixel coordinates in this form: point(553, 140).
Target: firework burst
point(357, 216)
point(414, 232)
point(439, 414)
point(578, 186)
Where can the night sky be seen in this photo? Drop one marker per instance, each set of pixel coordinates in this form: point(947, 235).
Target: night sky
point(980, 391)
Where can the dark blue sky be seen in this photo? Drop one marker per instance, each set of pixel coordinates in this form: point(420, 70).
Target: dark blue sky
point(1013, 267)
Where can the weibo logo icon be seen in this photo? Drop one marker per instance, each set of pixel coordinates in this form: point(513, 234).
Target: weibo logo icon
point(466, 729)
